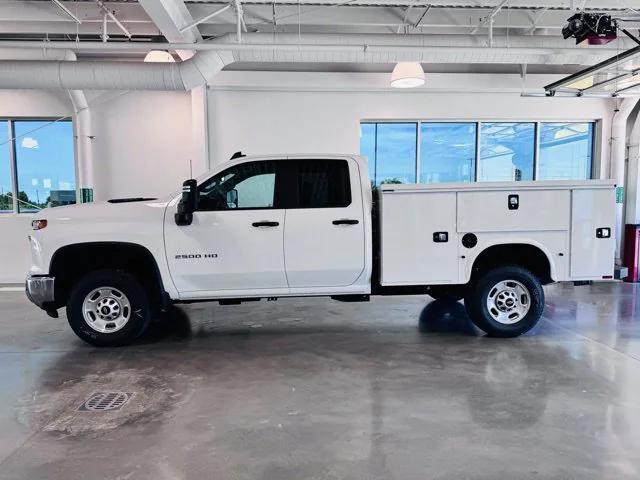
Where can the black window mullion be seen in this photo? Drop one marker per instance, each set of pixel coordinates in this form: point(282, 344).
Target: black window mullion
point(286, 194)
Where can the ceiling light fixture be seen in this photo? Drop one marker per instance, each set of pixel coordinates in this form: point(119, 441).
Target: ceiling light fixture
point(159, 56)
point(407, 75)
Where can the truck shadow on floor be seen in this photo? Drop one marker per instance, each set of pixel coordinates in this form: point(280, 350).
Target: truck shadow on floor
point(438, 316)
point(446, 316)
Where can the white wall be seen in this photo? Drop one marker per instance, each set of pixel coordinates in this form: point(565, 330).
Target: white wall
point(142, 145)
point(143, 142)
point(274, 112)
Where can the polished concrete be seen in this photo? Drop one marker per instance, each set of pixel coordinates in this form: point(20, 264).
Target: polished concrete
point(398, 388)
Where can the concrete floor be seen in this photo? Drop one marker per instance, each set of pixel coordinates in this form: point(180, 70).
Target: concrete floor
point(398, 388)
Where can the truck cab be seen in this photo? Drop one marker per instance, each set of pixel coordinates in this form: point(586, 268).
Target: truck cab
point(309, 225)
point(273, 226)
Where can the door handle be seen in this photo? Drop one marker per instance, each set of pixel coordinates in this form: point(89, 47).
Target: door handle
point(265, 223)
point(345, 221)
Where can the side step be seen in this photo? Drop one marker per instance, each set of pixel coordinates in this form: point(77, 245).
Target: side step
point(237, 301)
point(351, 298)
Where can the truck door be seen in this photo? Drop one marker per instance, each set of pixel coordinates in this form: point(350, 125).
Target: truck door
point(236, 239)
point(324, 237)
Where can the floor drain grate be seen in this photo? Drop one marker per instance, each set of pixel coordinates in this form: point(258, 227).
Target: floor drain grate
point(105, 401)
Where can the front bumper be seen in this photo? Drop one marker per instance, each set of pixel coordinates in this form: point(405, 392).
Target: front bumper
point(40, 290)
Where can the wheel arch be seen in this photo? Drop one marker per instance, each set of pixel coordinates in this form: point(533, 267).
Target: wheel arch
point(528, 254)
point(70, 262)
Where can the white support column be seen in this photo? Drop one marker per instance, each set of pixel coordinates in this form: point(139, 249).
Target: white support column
point(83, 142)
point(632, 197)
point(617, 166)
point(200, 130)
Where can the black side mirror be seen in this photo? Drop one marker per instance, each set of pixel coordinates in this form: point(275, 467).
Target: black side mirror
point(188, 203)
point(232, 198)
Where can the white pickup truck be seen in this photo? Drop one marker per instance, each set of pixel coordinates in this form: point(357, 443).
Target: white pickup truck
point(308, 225)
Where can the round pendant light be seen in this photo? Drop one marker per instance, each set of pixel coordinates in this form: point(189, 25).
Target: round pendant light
point(159, 56)
point(407, 75)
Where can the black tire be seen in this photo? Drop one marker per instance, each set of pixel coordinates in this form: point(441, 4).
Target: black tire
point(446, 293)
point(476, 301)
point(139, 316)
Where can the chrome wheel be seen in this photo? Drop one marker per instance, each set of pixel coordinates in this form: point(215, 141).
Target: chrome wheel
point(508, 302)
point(106, 309)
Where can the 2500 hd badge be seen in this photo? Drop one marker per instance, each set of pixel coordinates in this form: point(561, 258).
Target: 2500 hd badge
point(196, 255)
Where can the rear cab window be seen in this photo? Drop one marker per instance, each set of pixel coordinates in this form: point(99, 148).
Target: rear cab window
point(321, 184)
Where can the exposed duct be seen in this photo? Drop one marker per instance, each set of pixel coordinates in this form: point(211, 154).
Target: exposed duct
point(212, 56)
point(72, 75)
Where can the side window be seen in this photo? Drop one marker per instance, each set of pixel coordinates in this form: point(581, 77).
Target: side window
point(323, 184)
point(250, 185)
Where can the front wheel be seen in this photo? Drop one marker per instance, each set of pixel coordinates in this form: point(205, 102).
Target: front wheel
point(506, 301)
point(108, 308)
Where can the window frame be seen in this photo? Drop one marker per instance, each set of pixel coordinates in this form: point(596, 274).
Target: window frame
point(596, 135)
point(13, 158)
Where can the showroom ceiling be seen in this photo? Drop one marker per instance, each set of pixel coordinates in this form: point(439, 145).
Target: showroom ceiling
point(497, 35)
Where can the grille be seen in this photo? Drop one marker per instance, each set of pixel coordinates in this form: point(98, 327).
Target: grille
point(105, 401)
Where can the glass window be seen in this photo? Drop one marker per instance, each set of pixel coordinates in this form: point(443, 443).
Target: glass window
point(323, 184)
point(247, 185)
point(368, 146)
point(447, 152)
point(506, 151)
point(566, 151)
point(396, 153)
point(6, 201)
point(45, 164)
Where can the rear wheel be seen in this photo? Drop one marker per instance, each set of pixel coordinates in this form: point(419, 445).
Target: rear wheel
point(108, 308)
point(506, 301)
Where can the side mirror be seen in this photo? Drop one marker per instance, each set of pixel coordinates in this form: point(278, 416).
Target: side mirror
point(232, 198)
point(188, 203)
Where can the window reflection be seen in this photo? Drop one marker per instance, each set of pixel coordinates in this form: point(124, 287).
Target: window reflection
point(394, 148)
point(368, 147)
point(507, 151)
point(566, 151)
point(447, 152)
point(45, 164)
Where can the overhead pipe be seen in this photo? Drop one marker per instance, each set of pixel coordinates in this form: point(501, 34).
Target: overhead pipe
point(536, 45)
point(70, 75)
point(213, 56)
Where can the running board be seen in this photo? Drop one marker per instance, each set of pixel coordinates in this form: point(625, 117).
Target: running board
point(350, 298)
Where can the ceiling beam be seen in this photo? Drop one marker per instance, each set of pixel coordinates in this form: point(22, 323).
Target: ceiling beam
point(171, 16)
point(215, 13)
point(66, 11)
point(536, 20)
point(489, 18)
point(111, 15)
